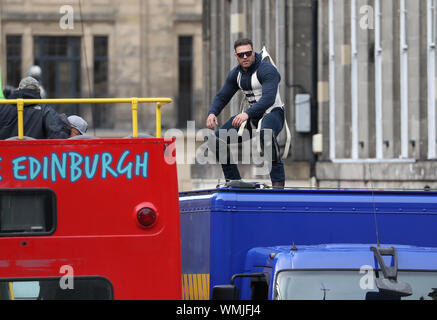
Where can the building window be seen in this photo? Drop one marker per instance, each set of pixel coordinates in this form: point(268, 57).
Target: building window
point(101, 113)
point(59, 59)
point(13, 65)
point(185, 99)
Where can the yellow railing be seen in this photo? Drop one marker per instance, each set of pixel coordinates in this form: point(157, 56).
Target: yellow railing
point(11, 291)
point(133, 101)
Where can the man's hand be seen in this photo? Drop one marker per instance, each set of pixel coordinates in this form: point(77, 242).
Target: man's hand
point(238, 120)
point(211, 122)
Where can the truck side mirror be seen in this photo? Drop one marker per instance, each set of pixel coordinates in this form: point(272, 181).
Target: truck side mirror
point(230, 292)
point(225, 292)
point(259, 289)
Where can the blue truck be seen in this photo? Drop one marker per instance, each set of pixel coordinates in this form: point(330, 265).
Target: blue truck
point(243, 243)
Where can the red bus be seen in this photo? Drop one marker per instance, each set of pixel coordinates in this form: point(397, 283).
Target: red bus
point(89, 219)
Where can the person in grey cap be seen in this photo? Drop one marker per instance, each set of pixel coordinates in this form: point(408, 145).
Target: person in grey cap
point(29, 83)
point(41, 121)
point(78, 126)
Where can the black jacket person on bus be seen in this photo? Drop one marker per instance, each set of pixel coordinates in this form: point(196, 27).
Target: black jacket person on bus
point(40, 121)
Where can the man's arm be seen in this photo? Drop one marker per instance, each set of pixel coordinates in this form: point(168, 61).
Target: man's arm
point(225, 94)
point(269, 78)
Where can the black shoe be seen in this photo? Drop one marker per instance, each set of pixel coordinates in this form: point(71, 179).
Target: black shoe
point(240, 184)
point(278, 185)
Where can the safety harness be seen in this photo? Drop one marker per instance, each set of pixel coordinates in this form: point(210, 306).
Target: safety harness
point(254, 95)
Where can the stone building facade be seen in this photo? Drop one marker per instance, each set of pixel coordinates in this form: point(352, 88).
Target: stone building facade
point(369, 67)
point(108, 48)
point(377, 98)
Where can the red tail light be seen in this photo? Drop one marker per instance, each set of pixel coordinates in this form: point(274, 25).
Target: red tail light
point(146, 217)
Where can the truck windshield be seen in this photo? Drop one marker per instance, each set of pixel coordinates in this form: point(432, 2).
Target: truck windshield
point(349, 285)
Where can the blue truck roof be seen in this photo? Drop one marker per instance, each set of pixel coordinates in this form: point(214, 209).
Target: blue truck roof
point(339, 256)
point(295, 200)
point(219, 227)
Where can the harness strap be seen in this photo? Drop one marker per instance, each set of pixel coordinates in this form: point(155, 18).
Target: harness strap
point(251, 99)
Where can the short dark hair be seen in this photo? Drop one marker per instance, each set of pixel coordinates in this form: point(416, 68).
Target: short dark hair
point(242, 42)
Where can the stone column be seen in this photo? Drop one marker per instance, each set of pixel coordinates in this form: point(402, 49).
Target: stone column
point(323, 78)
point(388, 66)
point(27, 49)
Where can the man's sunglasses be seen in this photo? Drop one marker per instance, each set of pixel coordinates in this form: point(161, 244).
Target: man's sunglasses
point(242, 54)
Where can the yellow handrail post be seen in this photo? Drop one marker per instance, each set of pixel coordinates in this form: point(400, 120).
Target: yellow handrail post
point(158, 120)
point(20, 108)
point(11, 291)
point(135, 117)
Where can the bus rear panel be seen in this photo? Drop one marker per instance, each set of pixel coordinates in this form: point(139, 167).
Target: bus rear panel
point(89, 219)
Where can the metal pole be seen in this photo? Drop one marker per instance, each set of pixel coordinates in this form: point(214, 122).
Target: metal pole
point(404, 81)
point(158, 120)
point(354, 79)
point(431, 81)
point(135, 117)
point(378, 81)
point(331, 81)
point(20, 108)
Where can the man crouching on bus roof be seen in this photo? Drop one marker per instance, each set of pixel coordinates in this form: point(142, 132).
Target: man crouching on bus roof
point(41, 121)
